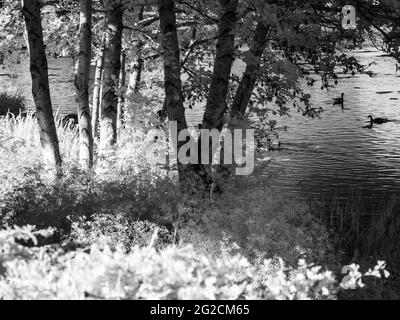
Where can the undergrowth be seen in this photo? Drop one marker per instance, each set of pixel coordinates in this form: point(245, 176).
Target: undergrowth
point(106, 271)
point(125, 231)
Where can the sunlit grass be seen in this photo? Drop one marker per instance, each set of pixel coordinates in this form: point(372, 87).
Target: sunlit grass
point(25, 129)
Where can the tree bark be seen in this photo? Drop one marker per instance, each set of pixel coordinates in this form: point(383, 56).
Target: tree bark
point(97, 90)
point(248, 82)
point(112, 66)
point(172, 65)
point(140, 61)
point(82, 85)
point(139, 70)
point(121, 97)
point(135, 77)
point(217, 96)
point(40, 83)
point(172, 80)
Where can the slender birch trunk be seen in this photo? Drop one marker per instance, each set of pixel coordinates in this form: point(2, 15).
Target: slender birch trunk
point(40, 83)
point(121, 97)
point(97, 90)
point(82, 85)
point(140, 61)
point(112, 66)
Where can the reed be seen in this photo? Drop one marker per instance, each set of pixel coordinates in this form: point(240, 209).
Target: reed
point(356, 230)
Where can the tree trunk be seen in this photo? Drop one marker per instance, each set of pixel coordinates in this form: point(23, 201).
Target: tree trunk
point(97, 90)
point(82, 85)
point(135, 78)
point(217, 95)
point(112, 66)
point(140, 61)
point(40, 83)
point(172, 65)
point(172, 78)
point(248, 82)
point(216, 101)
point(121, 97)
point(139, 71)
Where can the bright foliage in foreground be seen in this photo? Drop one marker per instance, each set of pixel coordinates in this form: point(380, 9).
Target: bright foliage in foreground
point(104, 271)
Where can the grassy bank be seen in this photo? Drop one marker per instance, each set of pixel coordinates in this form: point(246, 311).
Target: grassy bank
point(125, 231)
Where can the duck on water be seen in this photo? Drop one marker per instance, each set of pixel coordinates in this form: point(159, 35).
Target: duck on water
point(339, 101)
point(377, 120)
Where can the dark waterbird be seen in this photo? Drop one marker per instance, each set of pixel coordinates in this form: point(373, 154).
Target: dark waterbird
point(377, 120)
point(339, 101)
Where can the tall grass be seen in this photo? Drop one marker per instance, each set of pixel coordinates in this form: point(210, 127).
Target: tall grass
point(359, 232)
point(20, 124)
point(24, 127)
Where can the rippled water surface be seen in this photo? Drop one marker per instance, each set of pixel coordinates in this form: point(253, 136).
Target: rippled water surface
point(334, 154)
point(337, 153)
point(61, 78)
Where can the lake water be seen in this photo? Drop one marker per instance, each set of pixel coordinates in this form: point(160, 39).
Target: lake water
point(337, 154)
point(334, 154)
point(61, 78)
